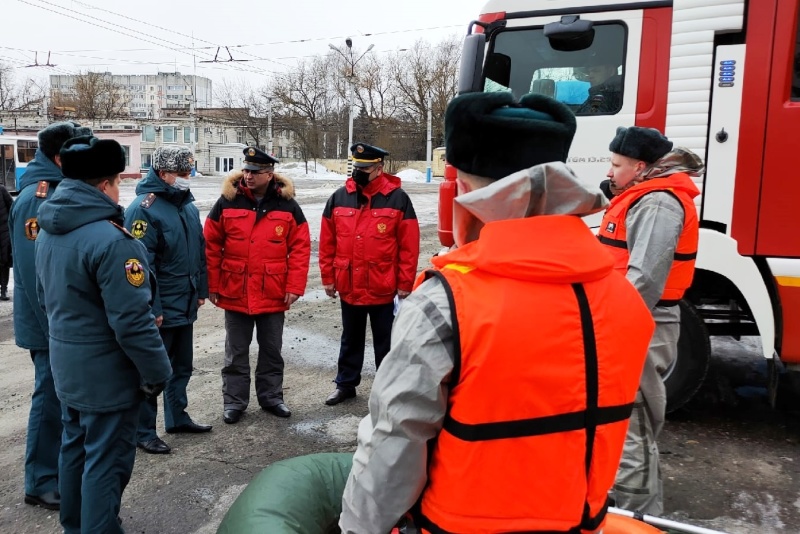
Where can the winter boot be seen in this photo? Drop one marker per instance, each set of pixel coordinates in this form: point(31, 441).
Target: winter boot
point(3, 293)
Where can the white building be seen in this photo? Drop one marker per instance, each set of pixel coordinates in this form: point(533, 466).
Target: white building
point(150, 93)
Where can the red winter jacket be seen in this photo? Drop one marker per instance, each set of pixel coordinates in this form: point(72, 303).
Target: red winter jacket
point(369, 241)
point(256, 252)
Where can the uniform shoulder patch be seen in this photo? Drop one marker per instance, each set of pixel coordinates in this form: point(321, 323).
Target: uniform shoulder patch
point(32, 229)
point(139, 228)
point(121, 229)
point(134, 272)
point(41, 189)
point(148, 200)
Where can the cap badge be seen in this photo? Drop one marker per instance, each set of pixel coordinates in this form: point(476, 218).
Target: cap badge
point(251, 152)
point(360, 149)
point(134, 272)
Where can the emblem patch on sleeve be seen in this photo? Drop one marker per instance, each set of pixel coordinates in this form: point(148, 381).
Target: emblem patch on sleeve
point(134, 272)
point(381, 228)
point(32, 228)
point(610, 227)
point(139, 228)
point(279, 230)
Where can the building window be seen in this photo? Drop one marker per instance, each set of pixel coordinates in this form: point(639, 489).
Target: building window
point(224, 164)
point(280, 151)
point(149, 133)
point(127, 151)
point(168, 134)
point(240, 136)
point(197, 135)
point(147, 161)
point(187, 135)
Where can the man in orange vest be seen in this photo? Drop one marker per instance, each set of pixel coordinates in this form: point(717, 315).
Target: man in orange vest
point(651, 229)
point(503, 403)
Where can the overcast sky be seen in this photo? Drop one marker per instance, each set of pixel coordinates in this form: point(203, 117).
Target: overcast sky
point(149, 36)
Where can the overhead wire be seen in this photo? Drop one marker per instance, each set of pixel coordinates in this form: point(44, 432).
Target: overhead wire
point(134, 36)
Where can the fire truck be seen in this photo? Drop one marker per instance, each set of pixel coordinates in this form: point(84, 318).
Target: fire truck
point(720, 77)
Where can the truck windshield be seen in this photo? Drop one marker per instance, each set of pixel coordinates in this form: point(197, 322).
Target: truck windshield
point(589, 81)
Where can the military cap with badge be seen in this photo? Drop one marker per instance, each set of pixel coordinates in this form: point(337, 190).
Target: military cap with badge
point(256, 159)
point(365, 155)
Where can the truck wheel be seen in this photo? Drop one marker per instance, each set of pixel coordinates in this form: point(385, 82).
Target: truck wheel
point(685, 376)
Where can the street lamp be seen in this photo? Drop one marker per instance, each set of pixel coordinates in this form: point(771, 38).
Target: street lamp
point(352, 63)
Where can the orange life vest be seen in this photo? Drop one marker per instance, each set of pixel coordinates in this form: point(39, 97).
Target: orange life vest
point(613, 232)
point(543, 383)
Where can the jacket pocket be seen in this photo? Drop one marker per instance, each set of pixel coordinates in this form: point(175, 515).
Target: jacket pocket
point(237, 223)
point(343, 275)
point(232, 281)
point(344, 221)
point(381, 278)
point(273, 283)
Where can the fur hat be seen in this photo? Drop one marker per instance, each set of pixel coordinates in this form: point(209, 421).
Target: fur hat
point(173, 159)
point(89, 158)
point(645, 144)
point(52, 138)
point(491, 135)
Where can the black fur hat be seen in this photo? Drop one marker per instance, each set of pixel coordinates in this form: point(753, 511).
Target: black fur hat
point(645, 144)
point(492, 135)
point(52, 138)
point(89, 158)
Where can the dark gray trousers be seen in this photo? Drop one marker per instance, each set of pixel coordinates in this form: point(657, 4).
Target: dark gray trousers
point(269, 368)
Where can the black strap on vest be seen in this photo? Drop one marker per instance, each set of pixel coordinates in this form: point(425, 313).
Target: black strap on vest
point(588, 419)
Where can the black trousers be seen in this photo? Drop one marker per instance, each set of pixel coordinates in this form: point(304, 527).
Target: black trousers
point(4, 276)
point(269, 368)
point(354, 333)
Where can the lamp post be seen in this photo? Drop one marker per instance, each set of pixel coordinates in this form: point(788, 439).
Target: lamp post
point(352, 63)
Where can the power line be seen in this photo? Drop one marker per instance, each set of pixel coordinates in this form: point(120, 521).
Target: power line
point(137, 37)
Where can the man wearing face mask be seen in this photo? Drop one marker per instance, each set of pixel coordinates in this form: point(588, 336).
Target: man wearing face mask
point(651, 228)
point(506, 369)
point(164, 218)
point(368, 253)
point(258, 249)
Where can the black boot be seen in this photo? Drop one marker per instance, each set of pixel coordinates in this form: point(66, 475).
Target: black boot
point(3, 293)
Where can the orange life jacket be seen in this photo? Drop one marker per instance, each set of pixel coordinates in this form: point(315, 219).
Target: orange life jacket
point(543, 383)
point(613, 232)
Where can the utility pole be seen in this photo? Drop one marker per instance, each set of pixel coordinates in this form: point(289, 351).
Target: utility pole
point(269, 125)
point(351, 77)
point(430, 139)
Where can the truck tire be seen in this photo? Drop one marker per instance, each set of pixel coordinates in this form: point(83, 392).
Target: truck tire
point(685, 376)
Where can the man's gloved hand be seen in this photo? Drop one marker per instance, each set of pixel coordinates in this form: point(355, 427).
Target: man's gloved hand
point(152, 390)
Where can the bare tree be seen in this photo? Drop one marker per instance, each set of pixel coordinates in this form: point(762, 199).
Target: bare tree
point(95, 96)
point(427, 70)
point(247, 109)
point(303, 100)
point(18, 97)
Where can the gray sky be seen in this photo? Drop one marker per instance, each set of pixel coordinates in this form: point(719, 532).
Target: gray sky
point(148, 36)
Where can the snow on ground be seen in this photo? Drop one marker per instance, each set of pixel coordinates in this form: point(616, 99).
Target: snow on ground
point(411, 175)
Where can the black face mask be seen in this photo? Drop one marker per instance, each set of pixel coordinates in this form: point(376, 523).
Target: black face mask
point(361, 177)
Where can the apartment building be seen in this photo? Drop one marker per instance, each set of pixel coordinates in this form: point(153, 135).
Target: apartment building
point(147, 95)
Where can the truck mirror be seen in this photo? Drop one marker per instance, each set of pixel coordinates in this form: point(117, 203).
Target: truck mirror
point(469, 75)
point(498, 68)
point(570, 34)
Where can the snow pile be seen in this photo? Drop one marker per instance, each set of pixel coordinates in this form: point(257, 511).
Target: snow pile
point(297, 171)
point(411, 175)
